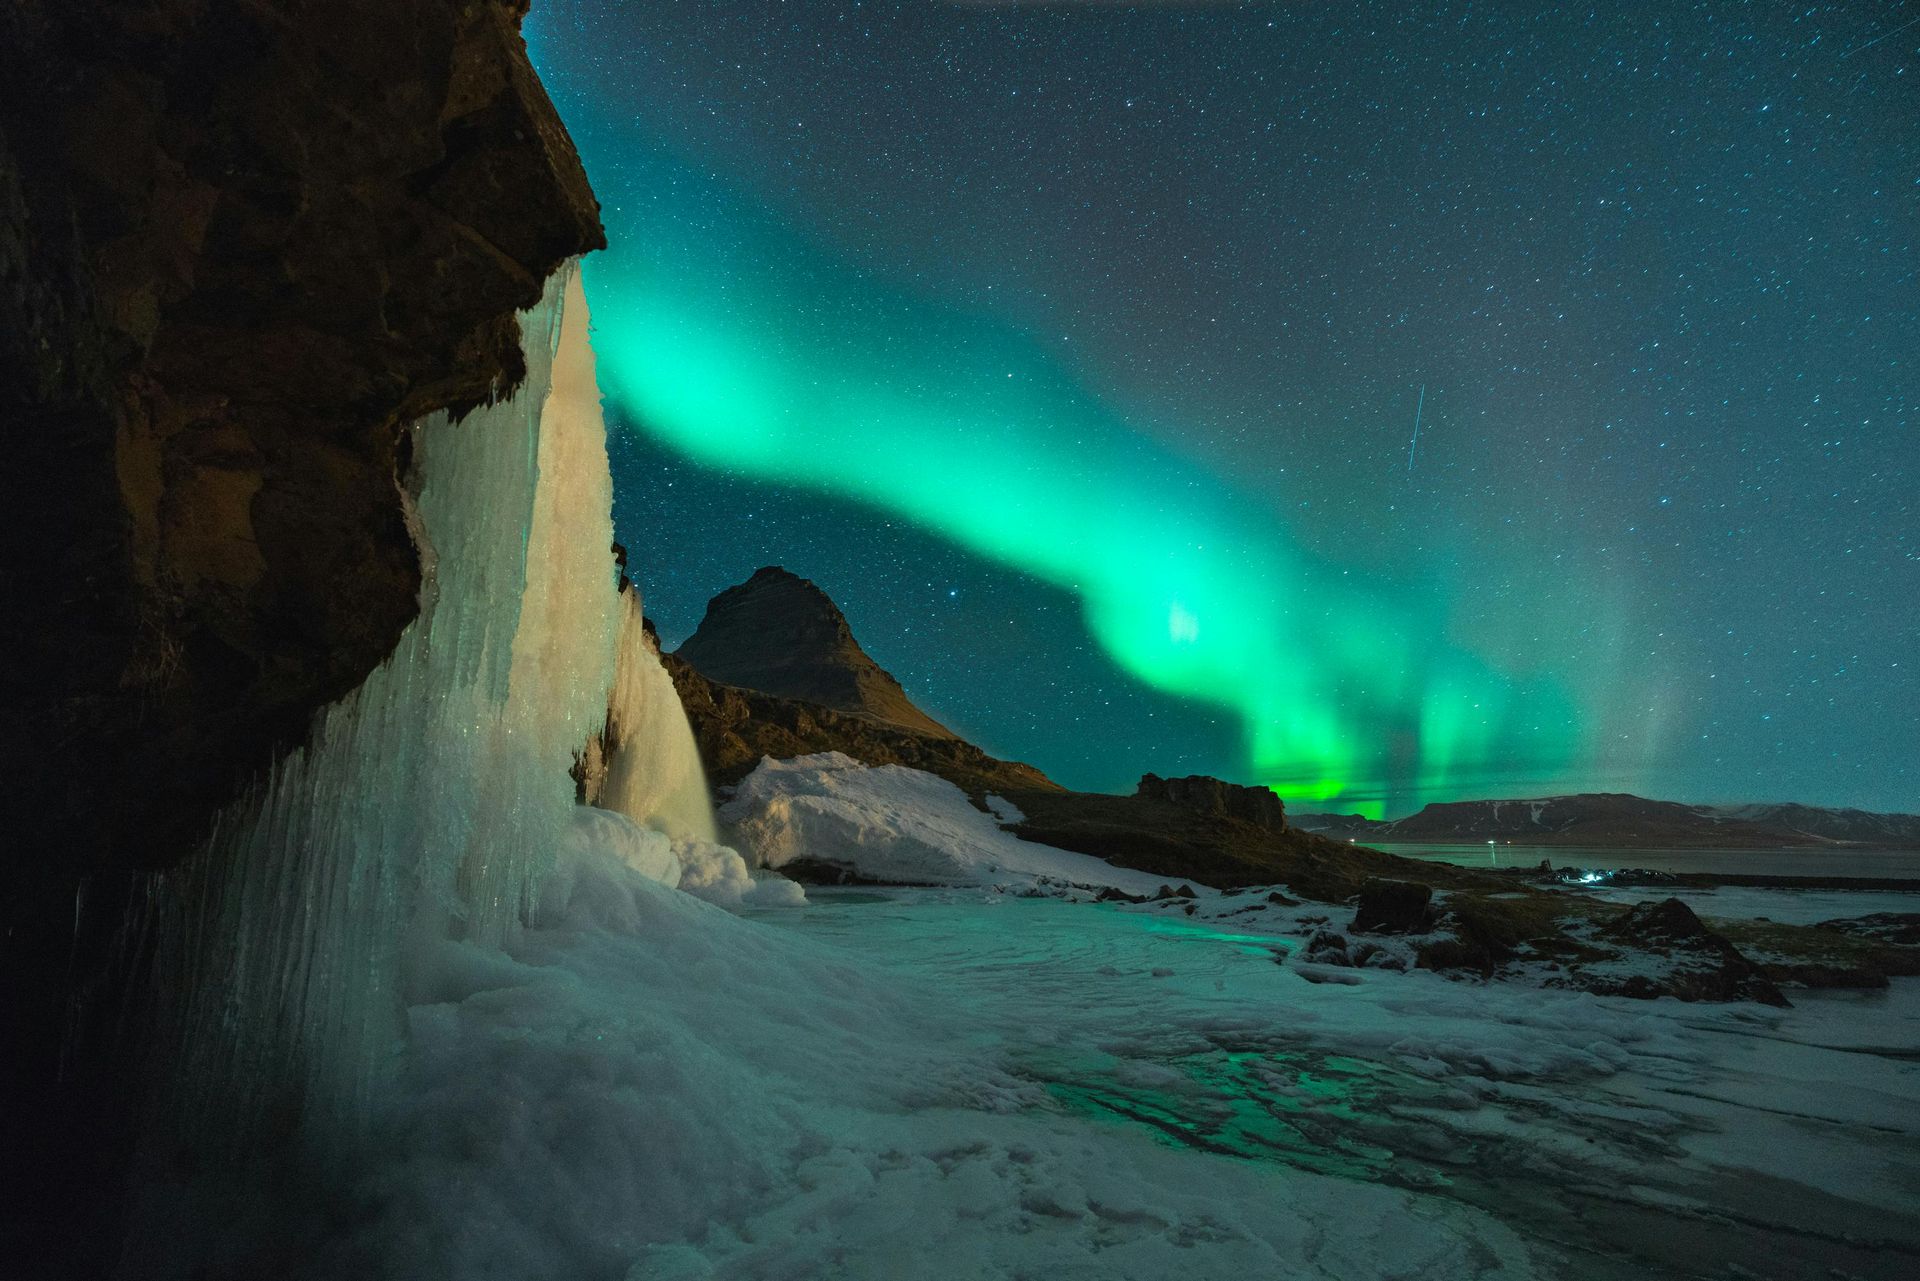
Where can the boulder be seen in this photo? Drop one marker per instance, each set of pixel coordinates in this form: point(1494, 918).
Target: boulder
point(1208, 795)
point(1393, 907)
point(1702, 965)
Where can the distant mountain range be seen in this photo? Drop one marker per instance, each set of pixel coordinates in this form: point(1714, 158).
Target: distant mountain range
point(1621, 819)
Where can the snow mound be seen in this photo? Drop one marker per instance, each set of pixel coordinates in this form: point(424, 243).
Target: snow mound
point(893, 824)
point(703, 869)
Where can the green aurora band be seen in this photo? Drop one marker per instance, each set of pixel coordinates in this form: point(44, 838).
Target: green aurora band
point(729, 336)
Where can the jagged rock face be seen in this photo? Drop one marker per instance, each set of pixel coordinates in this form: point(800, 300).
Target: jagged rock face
point(1208, 795)
point(241, 247)
point(780, 634)
point(1707, 967)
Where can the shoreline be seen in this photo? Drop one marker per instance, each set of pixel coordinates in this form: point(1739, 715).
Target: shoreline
point(1636, 877)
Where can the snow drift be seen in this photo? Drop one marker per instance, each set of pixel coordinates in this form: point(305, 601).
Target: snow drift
point(898, 825)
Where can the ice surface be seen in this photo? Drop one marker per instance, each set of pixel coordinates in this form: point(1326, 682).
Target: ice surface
point(648, 1087)
point(958, 1083)
point(890, 823)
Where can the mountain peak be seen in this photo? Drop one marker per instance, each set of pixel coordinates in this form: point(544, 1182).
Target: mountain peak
point(781, 634)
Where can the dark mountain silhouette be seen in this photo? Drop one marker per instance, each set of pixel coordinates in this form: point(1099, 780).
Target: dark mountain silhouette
point(780, 634)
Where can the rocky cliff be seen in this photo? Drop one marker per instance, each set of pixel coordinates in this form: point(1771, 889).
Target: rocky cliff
point(780, 634)
point(241, 246)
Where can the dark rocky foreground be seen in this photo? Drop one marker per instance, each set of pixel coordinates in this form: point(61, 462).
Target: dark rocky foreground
point(244, 246)
point(241, 247)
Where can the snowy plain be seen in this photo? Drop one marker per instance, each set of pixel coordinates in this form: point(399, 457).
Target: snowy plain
point(968, 1082)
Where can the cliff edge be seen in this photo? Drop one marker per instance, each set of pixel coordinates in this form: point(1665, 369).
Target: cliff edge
point(242, 246)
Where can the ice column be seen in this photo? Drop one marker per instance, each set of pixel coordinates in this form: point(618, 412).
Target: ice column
point(654, 775)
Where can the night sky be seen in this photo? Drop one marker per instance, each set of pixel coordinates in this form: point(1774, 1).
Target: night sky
point(1077, 349)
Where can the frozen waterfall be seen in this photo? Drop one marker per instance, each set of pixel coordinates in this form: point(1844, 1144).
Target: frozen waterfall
point(653, 770)
point(647, 768)
point(430, 803)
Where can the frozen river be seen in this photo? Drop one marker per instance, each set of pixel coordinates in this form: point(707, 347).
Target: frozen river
point(955, 1084)
point(1616, 1138)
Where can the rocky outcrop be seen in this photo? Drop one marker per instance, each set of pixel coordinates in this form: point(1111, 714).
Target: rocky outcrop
point(780, 634)
point(1900, 929)
point(1393, 907)
point(1166, 838)
point(1703, 965)
point(1205, 794)
point(241, 246)
point(736, 727)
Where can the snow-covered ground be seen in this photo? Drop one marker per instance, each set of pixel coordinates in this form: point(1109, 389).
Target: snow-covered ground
point(959, 1083)
point(899, 825)
point(996, 1076)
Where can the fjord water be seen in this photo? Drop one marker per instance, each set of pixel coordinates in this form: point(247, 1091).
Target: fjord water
point(1901, 864)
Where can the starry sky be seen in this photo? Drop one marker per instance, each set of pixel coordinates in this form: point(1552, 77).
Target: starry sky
point(1077, 350)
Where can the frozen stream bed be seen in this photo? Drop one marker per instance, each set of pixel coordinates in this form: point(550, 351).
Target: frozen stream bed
point(956, 1084)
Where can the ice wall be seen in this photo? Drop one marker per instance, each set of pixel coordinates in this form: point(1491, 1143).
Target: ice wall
point(427, 803)
point(645, 768)
point(653, 770)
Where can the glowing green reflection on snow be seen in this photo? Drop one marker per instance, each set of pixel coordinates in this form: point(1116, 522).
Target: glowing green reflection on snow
point(1310, 1111)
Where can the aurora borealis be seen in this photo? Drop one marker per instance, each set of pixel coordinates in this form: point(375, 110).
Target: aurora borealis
point(1131, 306)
